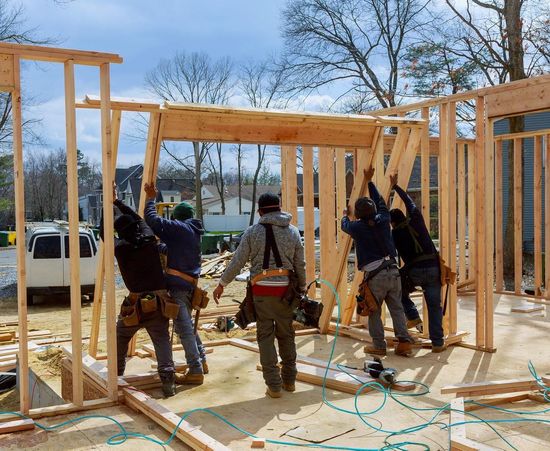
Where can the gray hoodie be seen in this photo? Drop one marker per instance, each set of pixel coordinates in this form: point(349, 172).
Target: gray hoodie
point(252, 248)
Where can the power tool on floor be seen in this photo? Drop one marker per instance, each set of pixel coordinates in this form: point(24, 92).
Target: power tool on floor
point(225, 323)
point(377, 371)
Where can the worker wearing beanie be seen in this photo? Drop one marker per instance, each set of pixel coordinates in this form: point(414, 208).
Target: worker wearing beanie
point(181, 237)
point(273, 239)
point(376, 257)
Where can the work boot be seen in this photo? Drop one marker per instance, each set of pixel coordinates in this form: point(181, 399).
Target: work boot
point(415, 323)
point(290, 387)
point(438, 349)
point(370, 349)
point(403, 348)
point(204, 367)
point(189, 378)
point(272, 393)
point(168, 384)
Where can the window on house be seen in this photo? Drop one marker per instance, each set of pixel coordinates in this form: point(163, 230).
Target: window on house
point(246, 213)
point(215, 213)
point(172, 199)
point(101, 198)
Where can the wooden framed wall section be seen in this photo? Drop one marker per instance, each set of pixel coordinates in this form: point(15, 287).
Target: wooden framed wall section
point(10, 61)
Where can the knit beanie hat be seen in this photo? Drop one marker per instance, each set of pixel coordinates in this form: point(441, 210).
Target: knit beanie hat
point(269, 202)
point(365, 208)
point(183, 211)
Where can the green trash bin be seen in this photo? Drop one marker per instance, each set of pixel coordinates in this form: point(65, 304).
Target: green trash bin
point(4, 239)
point(209, 243)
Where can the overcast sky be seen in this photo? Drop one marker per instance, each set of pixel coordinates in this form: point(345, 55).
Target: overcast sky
point(142, 32)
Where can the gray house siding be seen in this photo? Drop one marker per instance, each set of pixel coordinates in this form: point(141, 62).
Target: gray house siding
point(532, 122)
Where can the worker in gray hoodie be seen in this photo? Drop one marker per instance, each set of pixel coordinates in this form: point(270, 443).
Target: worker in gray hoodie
point(274, 248)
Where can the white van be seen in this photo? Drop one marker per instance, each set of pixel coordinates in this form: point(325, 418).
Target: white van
point(47, 259)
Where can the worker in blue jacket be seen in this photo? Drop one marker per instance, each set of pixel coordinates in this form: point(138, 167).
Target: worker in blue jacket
point(181, 237)
point(376, 257)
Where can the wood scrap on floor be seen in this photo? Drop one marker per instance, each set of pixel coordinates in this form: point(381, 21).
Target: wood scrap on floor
point(527, 308)
point(458, 439)
point(491, 387)
point(16, 426)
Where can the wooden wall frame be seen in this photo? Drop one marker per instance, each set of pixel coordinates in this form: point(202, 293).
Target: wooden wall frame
point(334, 137)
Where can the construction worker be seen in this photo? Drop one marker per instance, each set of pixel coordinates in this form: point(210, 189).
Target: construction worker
point(181, 237)
point(274, 248)
point(376, 257)
point(421, 266)
point(140, 266)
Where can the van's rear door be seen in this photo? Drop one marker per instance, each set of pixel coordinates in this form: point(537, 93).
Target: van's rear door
point(87, 260)
point(44, 262)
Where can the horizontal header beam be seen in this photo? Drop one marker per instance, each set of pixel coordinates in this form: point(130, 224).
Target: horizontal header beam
point(57, 55)
point(467, 95)
point(253, 129)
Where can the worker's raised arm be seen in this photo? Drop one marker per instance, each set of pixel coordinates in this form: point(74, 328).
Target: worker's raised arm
point(409, 203)
point(381, 208)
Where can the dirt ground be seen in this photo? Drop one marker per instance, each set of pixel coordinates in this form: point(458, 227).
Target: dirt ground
point(54, 312)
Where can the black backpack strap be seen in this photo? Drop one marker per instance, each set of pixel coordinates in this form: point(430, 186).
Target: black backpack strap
point(271, 245)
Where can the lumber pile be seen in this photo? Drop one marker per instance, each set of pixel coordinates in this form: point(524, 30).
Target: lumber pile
point(215, 267)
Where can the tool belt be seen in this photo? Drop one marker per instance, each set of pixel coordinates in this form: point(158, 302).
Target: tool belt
point(367, 304)
point(137, 306)
point(269, 273)
point(200, 298)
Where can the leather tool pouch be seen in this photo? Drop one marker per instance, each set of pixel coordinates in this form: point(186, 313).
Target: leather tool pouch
point(170, 308)
point(148, 303)
point(447, 275)
point(292, 295)
point(366, 302)
point(200, 298)
point(128, 313)
point(247, 312)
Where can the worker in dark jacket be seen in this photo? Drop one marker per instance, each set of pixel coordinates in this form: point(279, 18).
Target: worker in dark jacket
point(421, 265)
point(376, 257)
point(181, 236)
point(141, 269)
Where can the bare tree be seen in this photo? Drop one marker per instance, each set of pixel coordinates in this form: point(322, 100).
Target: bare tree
point(358, 42)
point(46, 185)
point(192, 78)
point(216, 170)
point(499, 41)
point(238, 151)
point(262, 85)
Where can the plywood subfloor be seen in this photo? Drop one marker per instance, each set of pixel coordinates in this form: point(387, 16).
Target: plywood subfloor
point(235, 390)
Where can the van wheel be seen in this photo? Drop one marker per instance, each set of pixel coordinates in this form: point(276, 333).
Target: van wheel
point(30, 299)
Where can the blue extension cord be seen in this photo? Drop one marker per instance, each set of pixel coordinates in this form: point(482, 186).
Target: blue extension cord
point(124, 435)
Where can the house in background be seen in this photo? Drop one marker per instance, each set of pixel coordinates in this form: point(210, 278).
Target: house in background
point(128, 182)
point(212, 205)
point(88, 210)
point(537, 121)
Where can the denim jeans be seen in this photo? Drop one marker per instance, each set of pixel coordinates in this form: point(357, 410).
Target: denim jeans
point(183, 325)
point(157, 328)
point(386, 286)
point(428, 278)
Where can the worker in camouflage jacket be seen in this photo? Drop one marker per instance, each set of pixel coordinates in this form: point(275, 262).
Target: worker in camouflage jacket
point(272, 245)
